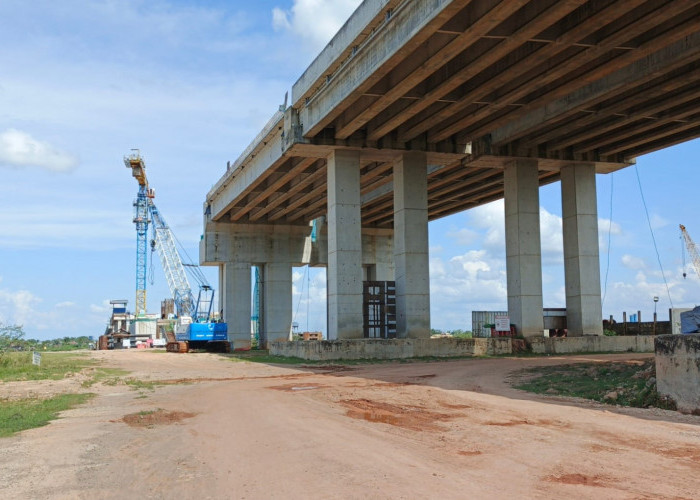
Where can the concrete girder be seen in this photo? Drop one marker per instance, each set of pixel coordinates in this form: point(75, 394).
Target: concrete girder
point(500, 50)
point(685, 48)
point(508, 74)
point(410, 26)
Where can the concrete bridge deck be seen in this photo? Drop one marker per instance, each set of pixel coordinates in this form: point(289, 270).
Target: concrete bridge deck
point(474, 84)
point(418, 109)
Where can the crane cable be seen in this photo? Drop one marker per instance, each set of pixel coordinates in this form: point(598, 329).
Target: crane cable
point(607, 267)
point(653, 238)
point(301, 294)
point(151, 276)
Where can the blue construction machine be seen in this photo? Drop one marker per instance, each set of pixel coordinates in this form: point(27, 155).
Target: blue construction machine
point(194, 327)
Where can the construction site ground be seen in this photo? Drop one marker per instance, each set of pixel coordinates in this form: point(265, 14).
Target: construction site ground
point(202, 426)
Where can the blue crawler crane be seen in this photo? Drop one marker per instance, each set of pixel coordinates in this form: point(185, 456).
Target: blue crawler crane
point(194, 327)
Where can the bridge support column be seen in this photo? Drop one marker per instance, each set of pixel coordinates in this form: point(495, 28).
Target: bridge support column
point(581, 258)
point(344, 246)
point(523, 250)
point(277, 301)
point(236, 303)
point(411, 246)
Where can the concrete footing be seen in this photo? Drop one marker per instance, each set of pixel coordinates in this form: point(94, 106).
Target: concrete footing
point(391, 348)
point(678, 370)
point(449, 347)
point(593, 343)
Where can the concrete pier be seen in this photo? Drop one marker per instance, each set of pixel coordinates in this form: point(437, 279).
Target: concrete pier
point(411, 246)
point(277, 301)
point(523, 250)
point(581, 261)
point(237, 303)
point(344, 246)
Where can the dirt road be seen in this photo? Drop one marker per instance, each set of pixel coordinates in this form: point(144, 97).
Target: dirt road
point(454, 429)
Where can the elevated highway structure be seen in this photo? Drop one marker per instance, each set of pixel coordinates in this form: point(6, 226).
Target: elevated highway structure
point(418, 109)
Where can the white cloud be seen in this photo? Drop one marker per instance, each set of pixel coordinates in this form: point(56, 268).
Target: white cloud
point(103, 308)
point(17, 307)
point(632, 262)
point(66, 303)
point(463, 236)
point(19, 149)
point(314, 21)
point(604, 226)
point(657, 222)
point(61, 224)
point(551, 238)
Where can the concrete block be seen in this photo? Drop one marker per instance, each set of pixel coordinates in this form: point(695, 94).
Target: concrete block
point(678, 370)
point(573, 345)
point(392, 348)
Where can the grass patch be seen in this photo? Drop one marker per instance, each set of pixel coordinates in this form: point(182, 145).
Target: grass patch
point(142, 385)
point(17, 416)
point(619, 383)
point(54, 366)
point(107, 376)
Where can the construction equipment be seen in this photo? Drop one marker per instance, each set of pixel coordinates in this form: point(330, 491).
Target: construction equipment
point(692, 250)
point(194, 327)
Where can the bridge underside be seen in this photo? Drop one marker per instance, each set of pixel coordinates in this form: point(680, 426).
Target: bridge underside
point(478, 87)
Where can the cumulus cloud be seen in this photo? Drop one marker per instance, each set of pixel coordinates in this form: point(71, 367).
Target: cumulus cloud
point(314, 21)
point(19, 149)
point(17, 306)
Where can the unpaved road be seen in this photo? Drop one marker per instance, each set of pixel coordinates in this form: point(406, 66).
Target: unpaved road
point(445, 430)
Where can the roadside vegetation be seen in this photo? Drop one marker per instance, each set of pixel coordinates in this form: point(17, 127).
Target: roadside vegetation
point(16, 416)
point(54, 366)
point(618, 383)
point(12, 339)
point(16, 365)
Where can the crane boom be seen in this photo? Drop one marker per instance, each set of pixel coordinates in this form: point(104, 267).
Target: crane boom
point(172, 264)
point(692, 250)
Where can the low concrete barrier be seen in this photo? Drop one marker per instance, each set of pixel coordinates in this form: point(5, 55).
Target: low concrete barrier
point(591, 343)
point(678, 370)
point(391, 348)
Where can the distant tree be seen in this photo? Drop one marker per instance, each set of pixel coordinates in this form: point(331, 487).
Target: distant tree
point(10, 336)
point(435, 331)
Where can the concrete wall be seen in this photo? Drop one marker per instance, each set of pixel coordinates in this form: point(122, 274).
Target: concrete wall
point(571, 345)
point(643, 328)
point(678, 370)
point(676, 319)
point(391, 349)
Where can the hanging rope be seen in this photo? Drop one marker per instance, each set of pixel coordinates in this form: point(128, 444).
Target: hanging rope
point(653, 238)
point(607, 267)
point(301, 294)
point(682, 255)
point(151, 276)
point(308, 299)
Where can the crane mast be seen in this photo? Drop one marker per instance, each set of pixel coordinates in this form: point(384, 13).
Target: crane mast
point(692, 250)
point(141, 219)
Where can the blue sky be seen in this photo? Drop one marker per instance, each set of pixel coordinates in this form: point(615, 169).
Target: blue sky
point(190, 83)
